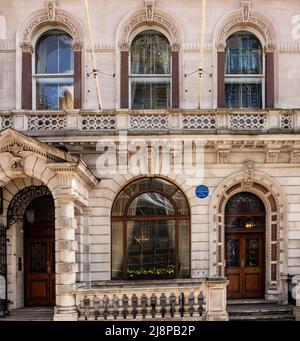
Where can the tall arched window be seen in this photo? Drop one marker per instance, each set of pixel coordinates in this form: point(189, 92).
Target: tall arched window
point(150, 231)
point(54, 71)
point(150, 71)
point(244, 72)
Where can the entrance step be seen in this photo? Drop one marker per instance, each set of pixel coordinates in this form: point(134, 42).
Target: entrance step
point(30, 314)
point(256, 310)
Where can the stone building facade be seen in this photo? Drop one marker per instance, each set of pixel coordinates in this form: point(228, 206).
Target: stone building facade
point(90, 94)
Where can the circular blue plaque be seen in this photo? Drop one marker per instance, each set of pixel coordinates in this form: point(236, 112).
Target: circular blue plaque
point(202, 191)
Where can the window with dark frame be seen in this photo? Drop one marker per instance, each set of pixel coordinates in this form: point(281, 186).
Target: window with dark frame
point(244, 74)
point(54, 71)
point(150, 71)
point(150, 231)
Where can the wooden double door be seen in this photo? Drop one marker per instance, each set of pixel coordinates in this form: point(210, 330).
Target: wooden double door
point(244, 254)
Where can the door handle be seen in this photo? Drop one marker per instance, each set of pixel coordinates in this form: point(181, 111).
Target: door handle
point(242, 263)
point(48, 267)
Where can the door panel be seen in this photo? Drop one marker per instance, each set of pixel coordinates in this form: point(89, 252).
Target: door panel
point(39, 272)
point(245, 265)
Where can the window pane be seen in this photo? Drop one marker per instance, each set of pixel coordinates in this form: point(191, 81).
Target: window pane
point(119, 205)
point(233, 252)
point(252, 255)
point(117, 249)
point(151, 204)
point(184, 247)
point(146, 95)
point(243, 54)
point(66, 55)
point(181, 203)
point(243, 95)
point(151, 249)
point(54, 93)
point(150, 54)
point(54, 53)
point(47, 54)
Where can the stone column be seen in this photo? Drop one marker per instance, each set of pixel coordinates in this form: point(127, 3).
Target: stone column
point(66, 267)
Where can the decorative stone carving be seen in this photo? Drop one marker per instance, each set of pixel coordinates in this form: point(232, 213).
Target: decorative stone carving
point(141, 19)
point(26, 47)
point(60, 18)
point(223, 156)
point(272, 156)
point(247, 17)
point(149, 8)
point(249, 173)
point(246, 9)
point(51, 9)
point(295, 156)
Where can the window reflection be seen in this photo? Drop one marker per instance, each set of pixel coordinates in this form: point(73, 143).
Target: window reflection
point(243, 71)
point(150, 71)
point(54, 71)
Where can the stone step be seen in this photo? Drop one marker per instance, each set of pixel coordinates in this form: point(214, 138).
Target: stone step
point(249, 301)
point(258, 309)
point(284, 317)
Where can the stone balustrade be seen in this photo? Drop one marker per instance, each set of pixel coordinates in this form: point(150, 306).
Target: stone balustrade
point(184, 121)
point(179, 300)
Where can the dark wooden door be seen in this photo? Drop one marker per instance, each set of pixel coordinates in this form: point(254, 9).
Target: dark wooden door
point(40, 272)
point(39, 253)
point(245, 265)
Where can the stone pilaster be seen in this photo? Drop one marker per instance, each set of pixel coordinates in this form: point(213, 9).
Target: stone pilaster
point(66, 267)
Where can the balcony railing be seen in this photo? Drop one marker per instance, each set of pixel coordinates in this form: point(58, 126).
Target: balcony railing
point(154, 122)
point(178, 300)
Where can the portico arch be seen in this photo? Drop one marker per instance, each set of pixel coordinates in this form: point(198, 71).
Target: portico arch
point(270, 194)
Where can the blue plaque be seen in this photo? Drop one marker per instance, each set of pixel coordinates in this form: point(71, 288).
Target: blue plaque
point(202, 191)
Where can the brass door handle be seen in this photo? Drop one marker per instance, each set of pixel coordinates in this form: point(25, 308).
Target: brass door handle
point(48, 267)
point(242, 263)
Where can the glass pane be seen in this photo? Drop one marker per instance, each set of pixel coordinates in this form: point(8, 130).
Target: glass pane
point(181, 203)
point(151, 249)
point(249, 222)
point(184, 247)
point(37, 258)
point(54, 93)
point(54, 53)
point(243, 203)
point(244, 95)
point(150, 54)
point(66, 55)
point(233, 252)
point(243, 54)
point(119, 205)
point(151, 204)
point(145, 95)
point(117, 249)
point(252, 255)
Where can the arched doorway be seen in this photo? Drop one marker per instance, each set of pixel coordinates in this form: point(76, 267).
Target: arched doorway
point(39, 252)
point(245, 224)
point(150, 231)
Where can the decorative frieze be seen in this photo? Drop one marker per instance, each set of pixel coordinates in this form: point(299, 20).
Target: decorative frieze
point(295, 156)
point(223, 156)
point(272, 156)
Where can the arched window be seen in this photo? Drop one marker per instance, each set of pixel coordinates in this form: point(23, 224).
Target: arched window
point(54, 71)
point(150, 231)
point(244, 72)
point(245, 211)
point(150, 71)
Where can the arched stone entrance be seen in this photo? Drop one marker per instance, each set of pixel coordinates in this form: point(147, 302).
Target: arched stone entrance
point(270, 194)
